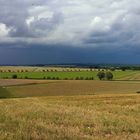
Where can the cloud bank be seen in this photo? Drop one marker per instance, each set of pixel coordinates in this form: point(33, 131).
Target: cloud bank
point(106, 25)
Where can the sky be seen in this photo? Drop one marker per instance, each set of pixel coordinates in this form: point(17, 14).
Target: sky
point(69, 31)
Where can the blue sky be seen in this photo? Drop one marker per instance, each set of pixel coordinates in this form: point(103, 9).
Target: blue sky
point(69, 31)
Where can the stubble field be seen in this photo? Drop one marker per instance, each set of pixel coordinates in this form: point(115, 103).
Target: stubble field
point(69, 110)
point(87, 117)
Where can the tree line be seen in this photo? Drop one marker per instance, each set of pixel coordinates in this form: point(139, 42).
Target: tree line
point(101, 75)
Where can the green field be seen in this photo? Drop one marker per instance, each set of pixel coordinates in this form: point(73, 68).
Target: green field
point(65, 75)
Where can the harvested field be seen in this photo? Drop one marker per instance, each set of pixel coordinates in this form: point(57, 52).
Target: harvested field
point(72, 110)
point(98, 117)
point(40, 69)
point(10, 82)
point(29, 88)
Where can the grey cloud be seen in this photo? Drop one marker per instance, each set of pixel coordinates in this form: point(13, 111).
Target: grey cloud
point(15, 13)
point(124, 30)
point(43, 26)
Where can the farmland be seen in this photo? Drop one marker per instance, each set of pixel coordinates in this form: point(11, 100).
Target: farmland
point(78, 110)
point(63, 73)
point(35, 88)
point(40, 109)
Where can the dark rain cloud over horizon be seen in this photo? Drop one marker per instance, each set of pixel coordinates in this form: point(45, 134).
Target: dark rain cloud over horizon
point(67, 31)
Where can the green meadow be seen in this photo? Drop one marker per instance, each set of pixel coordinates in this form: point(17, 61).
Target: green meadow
point(65, 75)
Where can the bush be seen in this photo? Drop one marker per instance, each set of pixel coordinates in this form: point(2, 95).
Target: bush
point(81, 78)
point(57, 78)
point(91, 78)
point(48, 77)
point(53, 78)
point(5, 77)
point(65, 78)
point(77, 78)
point(14, 76)
point(26, 77)
point(86, 78)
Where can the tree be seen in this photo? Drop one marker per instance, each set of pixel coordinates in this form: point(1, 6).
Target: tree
point(123, 68)
point(77, 78)
point(109, 76)
point(14, 76)
point(81, 78)
point(101, 75)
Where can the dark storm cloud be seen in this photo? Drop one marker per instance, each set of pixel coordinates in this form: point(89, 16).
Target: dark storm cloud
point(70, 30)
point(120, 37)
point(66, 54)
